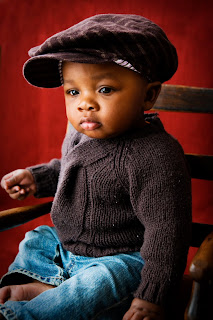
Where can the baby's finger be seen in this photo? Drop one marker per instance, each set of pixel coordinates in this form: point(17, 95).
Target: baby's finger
point(17, 196)
point(14, 178)
point(23, 193)
point(128, 315)
point(5, 179)
point(13, 190)
point(4, 294)
point(11, 181)
point(22, 196)
point(3, 184)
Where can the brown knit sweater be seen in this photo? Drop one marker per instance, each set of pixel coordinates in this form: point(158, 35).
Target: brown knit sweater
point(124, 194)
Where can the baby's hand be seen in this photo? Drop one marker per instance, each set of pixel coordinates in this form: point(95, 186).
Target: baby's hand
point(19, 184)
point(143, 310)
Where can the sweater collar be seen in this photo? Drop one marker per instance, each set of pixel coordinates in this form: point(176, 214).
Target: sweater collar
point(78, 146)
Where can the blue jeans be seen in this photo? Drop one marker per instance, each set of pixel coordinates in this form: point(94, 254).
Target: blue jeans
point(85, 287)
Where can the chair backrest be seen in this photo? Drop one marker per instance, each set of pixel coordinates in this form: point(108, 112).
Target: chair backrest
point(194, 100)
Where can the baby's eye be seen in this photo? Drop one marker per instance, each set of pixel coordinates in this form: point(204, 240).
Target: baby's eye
point(72, 92)
point(106, 90)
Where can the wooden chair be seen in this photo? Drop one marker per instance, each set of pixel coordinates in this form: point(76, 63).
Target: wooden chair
point(181, 99)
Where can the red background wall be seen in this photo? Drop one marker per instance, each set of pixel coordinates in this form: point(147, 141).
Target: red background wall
point(32, 120)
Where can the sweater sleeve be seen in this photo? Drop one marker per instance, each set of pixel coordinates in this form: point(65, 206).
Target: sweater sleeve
point(46, 178)
point(160, 191)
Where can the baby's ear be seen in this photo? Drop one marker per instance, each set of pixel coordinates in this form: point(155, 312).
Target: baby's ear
point(152, 92)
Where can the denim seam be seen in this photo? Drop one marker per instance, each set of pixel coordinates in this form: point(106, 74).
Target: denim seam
point(72, 263)
point(56, 281)
point(7, 313)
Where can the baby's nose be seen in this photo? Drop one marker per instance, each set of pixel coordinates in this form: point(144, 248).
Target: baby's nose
point(88, 105)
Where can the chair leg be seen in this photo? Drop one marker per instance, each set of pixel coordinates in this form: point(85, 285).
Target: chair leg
point(200, 302)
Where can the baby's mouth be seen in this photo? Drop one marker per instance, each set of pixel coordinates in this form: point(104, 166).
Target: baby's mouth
point(89, 124)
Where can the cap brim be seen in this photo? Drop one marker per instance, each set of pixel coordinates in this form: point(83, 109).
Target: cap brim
point(43, 70)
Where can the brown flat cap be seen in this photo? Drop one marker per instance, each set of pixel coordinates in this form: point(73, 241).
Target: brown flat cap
point(104, 38)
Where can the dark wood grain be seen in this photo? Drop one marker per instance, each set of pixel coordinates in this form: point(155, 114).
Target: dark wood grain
point(185, 99)
point(14, 217)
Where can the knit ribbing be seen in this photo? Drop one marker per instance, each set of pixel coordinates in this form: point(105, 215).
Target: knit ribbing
point(46, 178)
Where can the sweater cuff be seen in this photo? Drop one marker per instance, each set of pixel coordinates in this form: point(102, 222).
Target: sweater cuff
point(155, 292)
point(44, 184)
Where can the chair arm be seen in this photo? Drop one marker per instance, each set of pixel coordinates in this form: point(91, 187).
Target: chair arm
point(13, 217)
point(201, 267)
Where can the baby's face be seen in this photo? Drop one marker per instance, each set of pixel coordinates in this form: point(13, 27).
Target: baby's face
point(103, 100)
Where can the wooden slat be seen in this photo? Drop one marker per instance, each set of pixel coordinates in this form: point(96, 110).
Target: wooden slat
point(14, 217)
point(185, 99)
point(201, 267)
point(201, 166)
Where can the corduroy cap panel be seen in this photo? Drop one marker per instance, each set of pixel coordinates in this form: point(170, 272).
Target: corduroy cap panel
point(104, 38)
point(43, 71)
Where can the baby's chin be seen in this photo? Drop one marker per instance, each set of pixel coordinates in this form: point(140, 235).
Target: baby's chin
point(95, 132)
